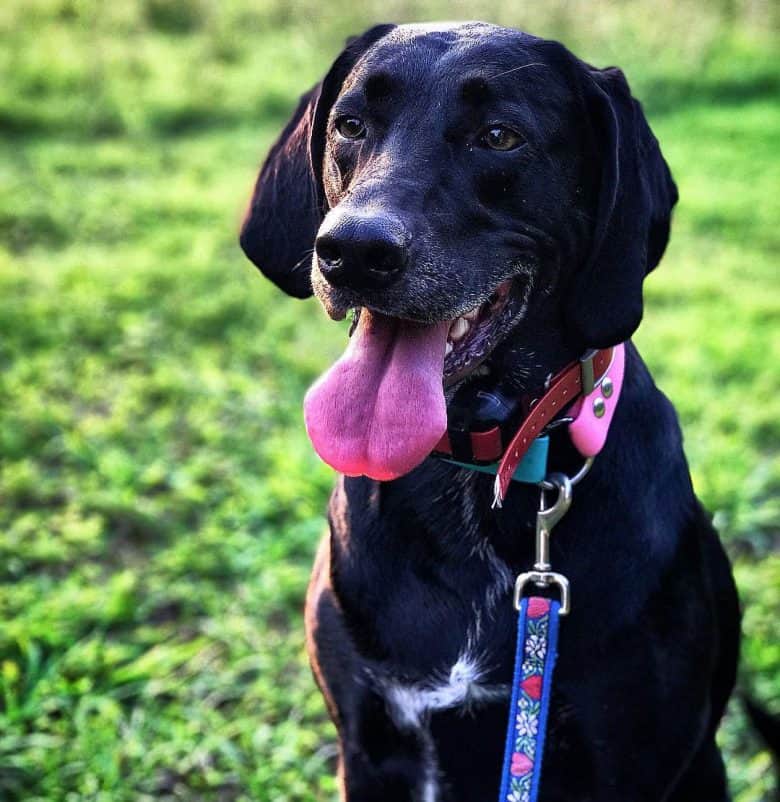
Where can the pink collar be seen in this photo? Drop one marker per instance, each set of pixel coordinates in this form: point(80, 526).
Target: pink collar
point(593, 384)
point(596, 392)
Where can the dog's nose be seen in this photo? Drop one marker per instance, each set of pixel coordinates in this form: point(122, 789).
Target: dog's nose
point(362, 253)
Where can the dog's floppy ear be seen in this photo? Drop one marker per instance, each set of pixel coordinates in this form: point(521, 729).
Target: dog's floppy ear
point(635, 199)
point(289, 203)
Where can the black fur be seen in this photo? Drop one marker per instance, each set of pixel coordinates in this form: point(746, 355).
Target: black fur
point(576, 216)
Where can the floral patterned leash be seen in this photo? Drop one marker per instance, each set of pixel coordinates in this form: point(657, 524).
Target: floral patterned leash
point(537, 647)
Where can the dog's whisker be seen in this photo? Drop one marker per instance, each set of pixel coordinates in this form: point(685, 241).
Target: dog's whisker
point(305, 258)
point(516, 69)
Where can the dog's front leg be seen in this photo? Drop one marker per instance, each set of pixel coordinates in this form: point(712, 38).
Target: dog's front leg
point(379, 760)
point(382, 763)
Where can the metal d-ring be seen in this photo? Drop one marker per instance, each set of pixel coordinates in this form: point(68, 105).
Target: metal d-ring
point(546, 484)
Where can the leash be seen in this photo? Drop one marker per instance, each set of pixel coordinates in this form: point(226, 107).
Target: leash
point(483, 435)
point(537, 641)
point(480, 436)
point(535, 654)
point(539, 616)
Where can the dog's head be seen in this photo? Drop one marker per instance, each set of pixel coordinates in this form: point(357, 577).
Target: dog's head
point(443, 181)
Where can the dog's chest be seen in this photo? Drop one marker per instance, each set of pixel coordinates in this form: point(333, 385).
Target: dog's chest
point(435, 625)
point(458, 663)
point(465, 686)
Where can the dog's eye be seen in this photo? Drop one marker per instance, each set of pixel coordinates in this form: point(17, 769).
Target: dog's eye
point(499, 137)
point(350, 127)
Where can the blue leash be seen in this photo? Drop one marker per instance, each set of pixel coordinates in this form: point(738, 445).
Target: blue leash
point(537, 633)
point(535, 654)
point(537, 648)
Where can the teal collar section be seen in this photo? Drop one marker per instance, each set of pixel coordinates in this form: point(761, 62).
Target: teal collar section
point(531, 470)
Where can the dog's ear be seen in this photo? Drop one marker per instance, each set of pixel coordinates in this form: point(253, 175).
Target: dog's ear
point(635, 198)
point(288, 203)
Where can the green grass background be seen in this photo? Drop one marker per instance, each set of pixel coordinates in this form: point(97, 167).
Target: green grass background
point(159, 503)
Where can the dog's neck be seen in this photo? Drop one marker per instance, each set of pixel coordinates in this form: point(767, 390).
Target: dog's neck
point(444, 515)
point(438, 521)
point(527, 360)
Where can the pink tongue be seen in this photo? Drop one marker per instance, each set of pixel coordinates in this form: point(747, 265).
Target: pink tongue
point(380, 409)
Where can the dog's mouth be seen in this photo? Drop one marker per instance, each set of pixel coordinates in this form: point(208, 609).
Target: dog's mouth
point(380, 409)
point(473, 335)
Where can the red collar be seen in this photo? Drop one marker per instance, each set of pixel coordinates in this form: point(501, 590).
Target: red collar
point(589, 388)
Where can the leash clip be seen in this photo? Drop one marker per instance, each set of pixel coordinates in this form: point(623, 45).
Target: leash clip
point(542, 574)
point(544, 579)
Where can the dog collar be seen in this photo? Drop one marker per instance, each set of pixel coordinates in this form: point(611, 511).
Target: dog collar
point(588, 388)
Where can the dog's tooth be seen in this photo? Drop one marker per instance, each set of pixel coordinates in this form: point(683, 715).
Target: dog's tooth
point(459, 329)
point(472, 314)
point(448, 348)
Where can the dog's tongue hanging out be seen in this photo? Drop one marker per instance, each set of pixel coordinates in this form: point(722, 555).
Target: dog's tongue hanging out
point(380, 409)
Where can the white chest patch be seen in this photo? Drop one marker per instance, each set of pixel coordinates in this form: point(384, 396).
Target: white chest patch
point(410, 704)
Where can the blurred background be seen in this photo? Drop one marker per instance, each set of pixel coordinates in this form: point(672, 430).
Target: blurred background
point(159, 502)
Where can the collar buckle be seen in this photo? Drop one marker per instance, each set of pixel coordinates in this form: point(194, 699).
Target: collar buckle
point(587, 375)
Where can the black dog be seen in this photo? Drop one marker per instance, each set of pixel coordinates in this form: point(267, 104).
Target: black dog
point(448, 168)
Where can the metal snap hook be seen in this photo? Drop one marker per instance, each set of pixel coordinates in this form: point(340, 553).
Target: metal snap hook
point(542, 574)
point(547, 517)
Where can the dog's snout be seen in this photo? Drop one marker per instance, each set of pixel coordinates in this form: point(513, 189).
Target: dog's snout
point(362, 252)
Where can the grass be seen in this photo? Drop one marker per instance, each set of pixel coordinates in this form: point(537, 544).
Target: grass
point(159, 503)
